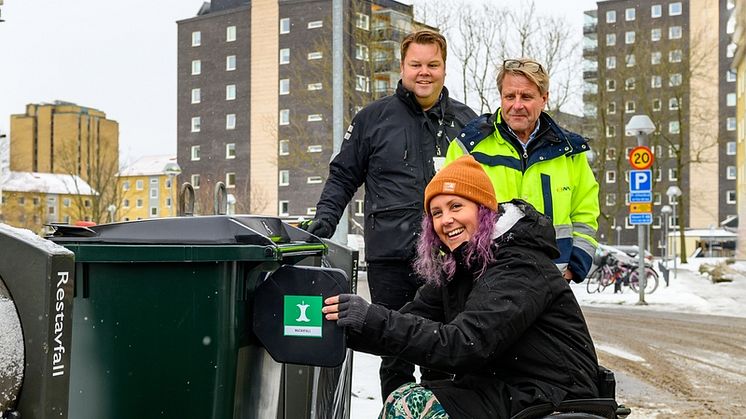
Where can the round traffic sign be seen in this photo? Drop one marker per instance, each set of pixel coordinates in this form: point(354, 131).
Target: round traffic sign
point(641, 158)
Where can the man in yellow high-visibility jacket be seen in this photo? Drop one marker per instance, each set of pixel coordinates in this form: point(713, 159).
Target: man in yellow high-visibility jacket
point(528, 156)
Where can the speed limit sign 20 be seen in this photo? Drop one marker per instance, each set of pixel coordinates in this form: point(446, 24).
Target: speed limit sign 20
point(641, 158)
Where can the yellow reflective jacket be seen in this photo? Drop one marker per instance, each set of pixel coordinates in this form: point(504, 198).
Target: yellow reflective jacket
point(553, 175)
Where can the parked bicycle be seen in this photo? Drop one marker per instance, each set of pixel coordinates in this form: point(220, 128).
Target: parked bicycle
point(611, 270)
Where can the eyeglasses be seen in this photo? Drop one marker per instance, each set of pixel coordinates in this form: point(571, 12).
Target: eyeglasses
point(529, 65)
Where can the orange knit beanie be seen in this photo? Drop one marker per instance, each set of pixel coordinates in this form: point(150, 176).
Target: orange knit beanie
point(463, 177)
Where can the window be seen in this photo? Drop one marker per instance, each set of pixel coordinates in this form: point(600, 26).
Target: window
point(610, 16)
point(359, 208)
point(629, 37)
point(283, 207)
point(230, 92)
point(730, 148)
point(630, 60)
point(362, 83)
point(673, 150)
point(730, 124)
point(674, 9)
point(315, 86)
point(230, 151)
point(610, 199)
point(168, 202)
point(730, 197)
point(658, 176)
point(284, 86)
point(230, 63)
point(196, 38)
point(284, 177)
point(655, 34)
point(362, 21)
point(66, 202)
point(196, 123)
point(656, 11)
point(314, 148)
point(730, 75)
point(611, 108)
point(311, 211)
point(610, 85)
point(611, 153)
point(21, 200)
point(673, 174)
point(656, 104)
point(361, 52)
point(195, 153)
point(35, 201)
point(730, 99)
point(230, 121)
point(314, 179)
point(730, 50)
point(230, 34)
point(125, 186)
point(629, 84)
point(315, 117)
point(138, 203)
point(673, 127)
point(126, 203)
point(674, 32)
point(610, 131)
point(284, 147)
point(655, 82)
point(316, 55)
point(610, 176)
point(195, 181)
point(284, 25)
point(730, 172)
point(674, 56)
point(630, 106)
point(629, 14)
point(230, 180)
point(196, 95)
point(284, 56)
point(673, 103)
point(611, 62)
point(674, 80)
point(284, 116)
point(139, 185)
point(196, 67)
point(655, 57)
point(154, 193)
point(315, 24)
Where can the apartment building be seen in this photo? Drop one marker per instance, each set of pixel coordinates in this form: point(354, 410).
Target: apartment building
point(738, 17)
point(146, 188)
point(670, 60)
point(254, 95)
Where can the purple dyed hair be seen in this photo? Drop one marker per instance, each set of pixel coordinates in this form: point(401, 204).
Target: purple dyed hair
point(438, 267)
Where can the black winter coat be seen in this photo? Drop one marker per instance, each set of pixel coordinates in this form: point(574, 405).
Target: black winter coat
point(390, 147)
point(514, 337)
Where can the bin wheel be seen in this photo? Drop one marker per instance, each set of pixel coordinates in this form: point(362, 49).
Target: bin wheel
point(12, 361)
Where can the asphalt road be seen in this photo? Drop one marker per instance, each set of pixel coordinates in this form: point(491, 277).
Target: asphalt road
point(673, 364)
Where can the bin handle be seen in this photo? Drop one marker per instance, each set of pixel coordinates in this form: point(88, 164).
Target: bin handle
point(220, 199)
point(186, 199)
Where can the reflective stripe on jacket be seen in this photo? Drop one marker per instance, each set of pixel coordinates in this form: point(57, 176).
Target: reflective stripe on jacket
point(553, 175)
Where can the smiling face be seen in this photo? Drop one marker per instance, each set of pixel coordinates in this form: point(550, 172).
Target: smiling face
point(423, 72)
point(455, 219)
point(521, 104)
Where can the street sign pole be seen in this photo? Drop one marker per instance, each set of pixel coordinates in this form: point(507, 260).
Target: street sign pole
point(640, 208)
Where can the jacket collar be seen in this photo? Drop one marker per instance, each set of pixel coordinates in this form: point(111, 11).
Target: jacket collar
point(439, 109)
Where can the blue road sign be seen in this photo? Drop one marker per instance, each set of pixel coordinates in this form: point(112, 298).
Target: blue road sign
point(640, 181)
point(641, 218)
point(640, 197)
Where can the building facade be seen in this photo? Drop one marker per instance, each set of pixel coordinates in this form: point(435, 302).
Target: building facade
point(147, 189)
point(739, 66)
point(255, 100)
point(670, 60)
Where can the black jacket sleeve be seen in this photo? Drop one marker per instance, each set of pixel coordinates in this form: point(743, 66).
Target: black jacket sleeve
point(503, 304)
point(347, 171)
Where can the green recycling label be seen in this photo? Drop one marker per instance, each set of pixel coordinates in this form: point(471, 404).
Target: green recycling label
point(303, 315)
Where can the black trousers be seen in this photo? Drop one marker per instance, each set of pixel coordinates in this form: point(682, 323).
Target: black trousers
point(392, 285)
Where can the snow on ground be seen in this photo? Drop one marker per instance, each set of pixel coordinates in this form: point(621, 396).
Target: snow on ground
point(689, 292)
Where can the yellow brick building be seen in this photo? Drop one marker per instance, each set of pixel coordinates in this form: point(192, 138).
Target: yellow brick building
point(145, 188)
point(63, 137)
point(30, 199)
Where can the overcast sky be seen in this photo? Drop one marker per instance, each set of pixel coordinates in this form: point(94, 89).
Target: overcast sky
point(118, 57)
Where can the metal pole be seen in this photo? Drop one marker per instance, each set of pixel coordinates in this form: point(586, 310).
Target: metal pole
point(340, 235)
point(641, 279)
point(679, 232)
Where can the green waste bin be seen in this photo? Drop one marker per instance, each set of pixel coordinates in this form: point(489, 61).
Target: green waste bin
point(163, 313)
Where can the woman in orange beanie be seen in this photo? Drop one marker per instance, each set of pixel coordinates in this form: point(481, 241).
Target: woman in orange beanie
point(495, 317)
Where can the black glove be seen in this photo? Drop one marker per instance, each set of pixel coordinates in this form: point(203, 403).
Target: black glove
point(352, 311)
point(318, 227)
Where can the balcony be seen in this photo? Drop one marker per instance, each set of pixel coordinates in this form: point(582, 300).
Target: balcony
point(590, 75)
point(386, 65)
point(388, 33)
point(590, 28)
point(589, 52)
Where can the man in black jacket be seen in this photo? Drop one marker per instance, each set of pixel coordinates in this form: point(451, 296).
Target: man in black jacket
point(395, 145)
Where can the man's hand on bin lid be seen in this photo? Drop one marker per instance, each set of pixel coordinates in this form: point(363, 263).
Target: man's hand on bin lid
point(318, 227)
